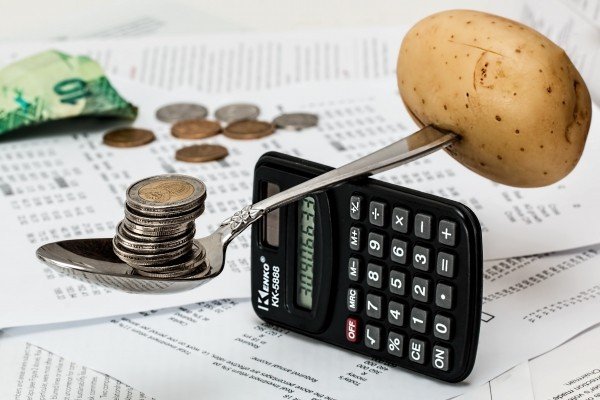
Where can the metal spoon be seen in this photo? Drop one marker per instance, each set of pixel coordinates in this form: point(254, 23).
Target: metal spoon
point(93, 260)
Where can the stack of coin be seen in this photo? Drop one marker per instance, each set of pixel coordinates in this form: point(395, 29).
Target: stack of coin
point(156, 237)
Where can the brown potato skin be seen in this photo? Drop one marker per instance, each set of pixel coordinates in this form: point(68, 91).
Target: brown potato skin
point(520, 106)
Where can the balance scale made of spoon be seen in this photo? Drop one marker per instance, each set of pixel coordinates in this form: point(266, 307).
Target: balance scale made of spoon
point(94, 261)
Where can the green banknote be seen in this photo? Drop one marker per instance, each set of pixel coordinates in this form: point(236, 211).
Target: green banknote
point(54, 85)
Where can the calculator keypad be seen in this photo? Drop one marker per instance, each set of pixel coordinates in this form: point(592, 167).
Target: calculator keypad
point(397, 274)
point(410, 282)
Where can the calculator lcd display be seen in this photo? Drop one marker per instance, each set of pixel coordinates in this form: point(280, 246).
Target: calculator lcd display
point(306, 250)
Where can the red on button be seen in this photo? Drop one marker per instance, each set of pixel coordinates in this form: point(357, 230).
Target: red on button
point(352, 330)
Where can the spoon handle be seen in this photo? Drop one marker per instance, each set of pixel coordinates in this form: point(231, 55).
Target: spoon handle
point(417, 145)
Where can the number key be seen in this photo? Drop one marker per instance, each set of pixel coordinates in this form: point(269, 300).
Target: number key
point(421, 258)
point(418, 320)
point(374, 275)
point(373, 306)
point(442, 327)
point(398, 251)
point(396, 313)
point(376, 244)
point(397, 282)
point(420, 289)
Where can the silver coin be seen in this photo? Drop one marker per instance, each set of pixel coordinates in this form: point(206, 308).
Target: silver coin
point(175, 112)
point(156, 231)
point(134, 259)
point(237, 112)
point(165, 274)
point(296, 121)
point(200, 270)
point(144, 247)
point(166, 194)
point(188, 261)
point(123, 230)
point(178, 219)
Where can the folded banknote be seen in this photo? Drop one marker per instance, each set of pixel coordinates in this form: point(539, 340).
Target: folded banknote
point(52, 86)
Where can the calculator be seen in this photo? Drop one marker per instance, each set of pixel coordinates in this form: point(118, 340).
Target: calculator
point(374, 268)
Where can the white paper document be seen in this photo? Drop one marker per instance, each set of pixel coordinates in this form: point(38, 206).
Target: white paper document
point(67, 184)
point(231, 62)
point(219, 349)
point(569, 372)
point(30, 372)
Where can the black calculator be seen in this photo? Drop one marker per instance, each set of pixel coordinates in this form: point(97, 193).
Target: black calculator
point(371, 267)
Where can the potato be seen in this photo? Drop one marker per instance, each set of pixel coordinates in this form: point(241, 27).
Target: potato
point(520, 106)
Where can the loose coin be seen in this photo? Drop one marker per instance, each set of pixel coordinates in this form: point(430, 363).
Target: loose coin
point(248, 129)
point(179, 111)
point(296, 121)
point(195, 129)
point(166, 194)
point(201, 153)
point(128, 137)
point(237, 112)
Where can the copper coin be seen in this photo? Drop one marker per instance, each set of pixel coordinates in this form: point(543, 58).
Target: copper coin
point(128, 137)
point(249, 129)
point(198, 153)
point(195, 129)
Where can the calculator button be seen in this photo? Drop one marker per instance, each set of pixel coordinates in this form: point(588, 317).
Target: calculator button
point(442, 327)
point(447, 232)
point(376, 213)
point(353, 300)
point(398, 253)
point(443, 295)
point(421, 258)
point(418, 320)
point(352, 330)
point(440, 358)
point(397, 282)
point(420, 289)
point(353, 269)
point(372, 337)
point(395, 344)
point(445, 264)
point(423, 226)
point(416, 351)
point(376, 244)
point(396, 313)
point(355, 234)
point(374, 275)
point(373, 306)
point(356, 207)
point(400, 220)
